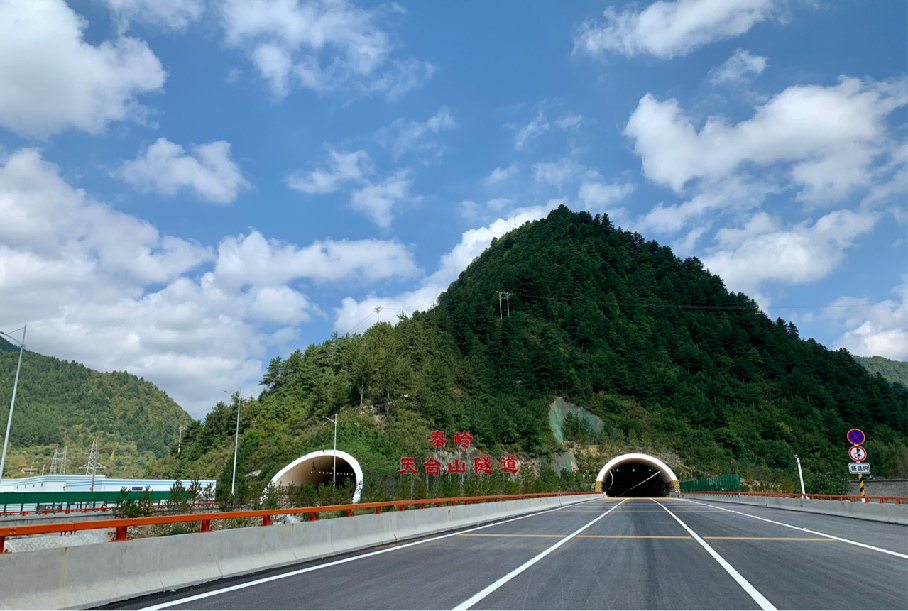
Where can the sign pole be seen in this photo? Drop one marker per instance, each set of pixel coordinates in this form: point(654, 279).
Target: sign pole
point(861, 483)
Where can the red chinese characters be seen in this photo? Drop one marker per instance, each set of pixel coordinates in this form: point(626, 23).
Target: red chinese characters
point(463, 439)
point(482, 464)
point(458, 466)
point(433, 467)
point(508, 464)
point(407, 465)
point(438, 439)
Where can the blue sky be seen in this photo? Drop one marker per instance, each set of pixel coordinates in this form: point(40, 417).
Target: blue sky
point(191, 187)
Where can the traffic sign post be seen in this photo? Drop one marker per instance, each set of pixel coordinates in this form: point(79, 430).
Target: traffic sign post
point(858, 454)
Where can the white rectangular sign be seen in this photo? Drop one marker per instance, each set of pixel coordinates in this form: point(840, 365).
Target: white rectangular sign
point(859, 467)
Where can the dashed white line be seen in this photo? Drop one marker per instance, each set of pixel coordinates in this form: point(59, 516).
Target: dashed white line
point(807, 530)
point(255, 582)
point(746, 585)
point(482, 594)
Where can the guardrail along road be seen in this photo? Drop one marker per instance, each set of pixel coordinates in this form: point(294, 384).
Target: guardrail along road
point(663, 553)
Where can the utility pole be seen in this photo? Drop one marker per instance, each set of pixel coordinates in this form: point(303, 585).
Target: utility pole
point(180, 442)
point(334, 469)
point(236, 441)
point(12, 403)
point(507, 298)
point(377, 315)
point(92, 464)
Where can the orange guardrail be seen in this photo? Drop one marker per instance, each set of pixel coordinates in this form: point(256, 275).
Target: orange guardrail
point(121, 525)
point(898, 500)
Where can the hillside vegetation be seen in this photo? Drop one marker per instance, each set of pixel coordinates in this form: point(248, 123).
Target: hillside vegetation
point(655, 347)
point(895, 372)
point(63, 404)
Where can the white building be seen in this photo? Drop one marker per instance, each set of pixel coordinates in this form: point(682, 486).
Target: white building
point(83, 483)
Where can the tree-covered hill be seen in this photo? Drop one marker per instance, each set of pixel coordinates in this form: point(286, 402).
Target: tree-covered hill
point(63, 404)
point(891, 371)
point(670, 361)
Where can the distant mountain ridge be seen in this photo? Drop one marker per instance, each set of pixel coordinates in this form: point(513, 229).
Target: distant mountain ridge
point(893, 371)
point(63, 404)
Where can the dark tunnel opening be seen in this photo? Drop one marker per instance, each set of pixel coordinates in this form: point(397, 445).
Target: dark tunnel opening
point(320, 471)
point(635, 479)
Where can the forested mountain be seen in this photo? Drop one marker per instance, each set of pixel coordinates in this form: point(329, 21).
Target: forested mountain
point(891, 371)
point(63, 404)
point(670, 361)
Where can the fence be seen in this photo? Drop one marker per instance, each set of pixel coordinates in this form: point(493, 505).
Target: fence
point(719, 483)
point(121, 526)
point(68, 501)
point(897, 500)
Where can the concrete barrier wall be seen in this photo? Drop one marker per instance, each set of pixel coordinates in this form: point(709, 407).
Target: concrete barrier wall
point(878, 512)
point(87, 575)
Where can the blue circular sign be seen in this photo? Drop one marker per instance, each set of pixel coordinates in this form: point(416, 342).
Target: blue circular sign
point(856, 437)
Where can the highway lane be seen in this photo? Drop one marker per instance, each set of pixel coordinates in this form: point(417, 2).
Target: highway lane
point(607, 553)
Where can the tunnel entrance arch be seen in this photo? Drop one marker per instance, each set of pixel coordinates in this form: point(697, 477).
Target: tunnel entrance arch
point(636, 474)
point(316, 468)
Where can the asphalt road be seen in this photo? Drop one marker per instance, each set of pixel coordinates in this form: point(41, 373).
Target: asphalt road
point(603, 554)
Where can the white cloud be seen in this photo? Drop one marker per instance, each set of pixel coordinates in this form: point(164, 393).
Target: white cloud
point(874, 329)
point(764, 251)
point(736, 193)
point(53, 80)
point(344, 168)
point(738, 69)
point(536, 127)
point(377, 200)
point(829, 135)
point(166, 168)
point(417, 137)
point(256, 261)
point(568, 121)
point(322, 45)
point(169, 14)
point(107, 289)
point(353, 314)
point(670, 29)
point(500, 175)
point(557, 173)
point(600, 196)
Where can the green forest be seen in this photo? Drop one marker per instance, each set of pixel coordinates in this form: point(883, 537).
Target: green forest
point(65, 405)
point(570, 307)
point(893, 371)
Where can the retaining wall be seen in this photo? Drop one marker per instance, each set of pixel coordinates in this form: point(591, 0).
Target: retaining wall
point(88, 575)
point(878, 512)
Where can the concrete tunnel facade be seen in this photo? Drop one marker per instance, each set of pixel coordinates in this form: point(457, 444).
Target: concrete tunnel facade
point(654, 478)
point(316, 468)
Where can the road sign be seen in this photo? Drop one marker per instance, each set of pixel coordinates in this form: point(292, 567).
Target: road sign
point(857, 453)
point(856, 437)
point(862, 468)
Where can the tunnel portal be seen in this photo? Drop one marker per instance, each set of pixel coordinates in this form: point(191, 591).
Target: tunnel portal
point(316, 469)
point(636, 474)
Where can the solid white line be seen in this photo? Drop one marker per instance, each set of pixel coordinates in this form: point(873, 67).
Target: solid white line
point(752, 591)
point(255, 582)
point(479, 596)
point(807, 530)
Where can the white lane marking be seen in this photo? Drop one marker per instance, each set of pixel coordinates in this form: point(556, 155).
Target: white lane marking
point(480, 595)
point(255, 582)
point(752, 591)
point(807, 530)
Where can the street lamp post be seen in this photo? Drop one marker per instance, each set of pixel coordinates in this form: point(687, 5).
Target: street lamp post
point(801, 477)
point(236, 440)
point(334, 469)
point(12, 403)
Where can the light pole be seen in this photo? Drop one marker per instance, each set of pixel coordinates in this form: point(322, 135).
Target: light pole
point(12, 403)
point(236, 440)
point(334, 469)
point(801, 477)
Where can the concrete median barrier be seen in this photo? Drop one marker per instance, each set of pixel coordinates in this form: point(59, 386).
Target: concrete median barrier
point(74, 577)
point(878, 512)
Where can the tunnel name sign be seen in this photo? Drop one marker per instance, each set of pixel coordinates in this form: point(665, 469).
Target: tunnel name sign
point(463, 441)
